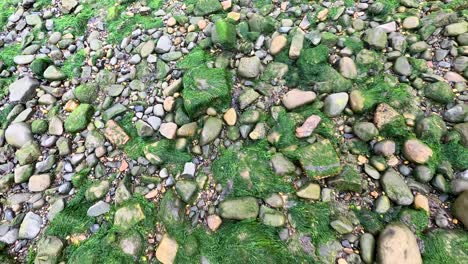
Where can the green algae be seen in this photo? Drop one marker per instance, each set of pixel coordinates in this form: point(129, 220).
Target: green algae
point(249, 172)
point(172, 158)
point(134, 148)
point(75, 23)
point(196, 58)
point(72, 65)
point(8, 52)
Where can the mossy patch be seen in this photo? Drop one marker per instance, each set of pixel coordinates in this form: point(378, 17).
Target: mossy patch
point(417, 220)
point(134, 148)
point(4, 83)
point(8, 52)
point(196, 58)
point(249, 172)
point(206, 87)
point(445, 246)
point(172, 158)
point(72, 66)
point(75, 23)
point(7, 8)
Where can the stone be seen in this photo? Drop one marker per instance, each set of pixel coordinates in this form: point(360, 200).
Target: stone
point(206, 7)
point(376, 38)
point(281, 165)
point(97, 190)
point(68, 5)
point(385, 148)
point(23, 89)
point(397, 244)
point(98, 209)
point(18, 134)
point(335, 104)
point(55, 126)
point(249, 67)
point(143, 129)
point(342, 225)
point(308, 127)
point(421, 202)
point(411, 22)
point(86, 93)
point(271, 217)
point(456, 29)
point(115, 134)
point(147, 49)
point(277, 44)
point(30, 227)
point(128, 216)
point(348, 180)
point(49, 249)
point(211, 130)
point(214, 222)
point(319, 160)
point(384, 114)
point(297, 44)
point(39, 182)
point(416, 151)
point(164, 44)
point(23, 59)
point(239, 208)
point(440, 92)
point(185, 189)
point(79, 118)
point(462, 130)
point(230, 117)
point(167, 249)
point(296, 98)
point(247, 97)
point(52, 73)
point(28, 153)
point(367, 245)
point(22, 173)
point(460, 208)
point(115, 110)
point(311, 191)
point(168, 130)
point(395, 187)
point(402, 66)
point(365, 131)
point(348, 68)
point(224, 34)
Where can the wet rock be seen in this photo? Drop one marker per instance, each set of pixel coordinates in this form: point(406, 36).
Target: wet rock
point(239, 208)
point(49, 249)
point(126, 217)
point(397, 244)
point(395, 187)
point(30, 227)
point(167, 249)
point(319, 160)
point(416, 151)
point(296, 98)
point(211, 130)
point(23, 89)
point(249, 67)
point(18, 134)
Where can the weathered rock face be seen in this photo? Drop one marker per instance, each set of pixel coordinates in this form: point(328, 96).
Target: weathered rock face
point(397, 244)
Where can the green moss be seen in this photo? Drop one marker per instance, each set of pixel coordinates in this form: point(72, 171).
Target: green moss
point(4, 114)
point(75, 23)
point(39, 65)
point(417, 220)
point(354, 44)
point(397, 130)
point(134, 148)
point(445, 246)
point(196, 58)
point(120, 24)
point(72, 66)
point(224, 34)
point(172, 158)
point(73, 219)
point(4, 83)
point(154, 4)
point(79, 118)
point(249, 171)
point(41, 4)
point(349, 3)
point(8, 52)
point(7, 8)
point(206, 87)
point(372, 222)
point(313, 219)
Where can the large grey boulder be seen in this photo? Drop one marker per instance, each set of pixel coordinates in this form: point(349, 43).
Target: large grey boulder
point(23, 89)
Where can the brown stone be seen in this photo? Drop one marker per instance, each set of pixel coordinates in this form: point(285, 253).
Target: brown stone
point(296, 98)
point(167, 250)
point(416, 151)
point(421, 202)
point(308, 127)
point(115, 134)
point(384, 114)
point(214, 222)
point(230, 117)
point(277, 44)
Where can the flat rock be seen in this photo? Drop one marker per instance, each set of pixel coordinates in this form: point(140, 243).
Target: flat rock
point(30, 227)
point(23, 89)
point(397, 244)
point(296, 98)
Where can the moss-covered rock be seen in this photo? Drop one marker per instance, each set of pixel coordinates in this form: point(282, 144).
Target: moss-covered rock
point(39, 126)
point(348, 180)
point(203, 88)
point(224, 34)
point(431, 128)
point(39, 65)
point(440, 92)
point(79, 118)
point(206, 7)
point(240, 208)
point(128, 216)
point(86, 93)
point(445, 246)
point(319, 160)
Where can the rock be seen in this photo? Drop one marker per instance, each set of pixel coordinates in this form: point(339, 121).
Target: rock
point(164, 44)
point(277, 44)
point(440, 92)
point(126, 217)
point(397, 244)
point(49, 249)
point(230, 117)
point(348, 180)
point(296, 98)
point(79, 118)
point(319, 160)
point(168, 130)
point(115, 134)
point(342, 225)
point(131, 244)
point(18, 134)
point(247, 97)
point(383, 115)
point(239, 208)
point(297, 44)
point(55, 126)
point(214, 222)
point(348, 68)
point(30, 227)
point(68, 5)
point(311, 191)
point(421, 202)
point(143, 129)
point(28, 153)
point(308, 127)
point(211, 130)
point(402, 66)
point(367, 245)
point(271, 217)
point(224, 34)
point(416, 151)
point(395, 187)
point(98, 209)
point(281, 165)
point(167, 249)
point(147, 49)
point(456, 29)
point(23, 89)
point(185, 189)
point(249, 67)
point(52, 73)
point(356, 101)
point(97, 190)
point(206, 7)
point(365, 131)
point(39, 182)
point(460, 208)
point(22, 173)
point(385, 148)
point(462, 130)
point(23, 59)
point(335, 104)
point(86, 93)
point(411, 22)
point(376, 38)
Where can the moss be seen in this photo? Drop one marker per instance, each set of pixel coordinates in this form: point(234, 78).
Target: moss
point(224, 34)
point(75, 23)
point(7, 8)
point(349, 3)
point(397, 130)
point(134, 148)
point(417, 220)
point(73, 219)
point(372, 222)
point(120, 25)
point(154, 4)
point(249, 171)
point(313, 219)
point(354, 44)
point(206, 87)
point(72, 66)
point(172, 158)
point(196, 58)
point(39, 65)
point(4, 114)
point(445, 246)
point(79, 118)
point(8, 52)
point(4, 83)
point(41, 4)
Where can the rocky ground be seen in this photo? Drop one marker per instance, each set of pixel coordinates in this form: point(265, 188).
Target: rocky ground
point(243, 131)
